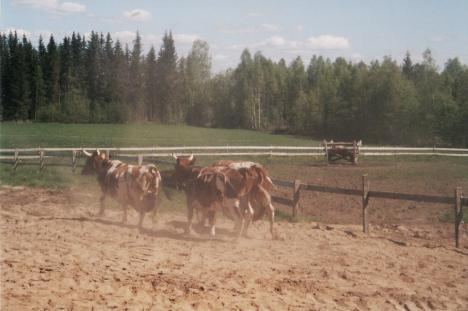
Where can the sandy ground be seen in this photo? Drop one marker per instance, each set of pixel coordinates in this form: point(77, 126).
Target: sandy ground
point(56, 255)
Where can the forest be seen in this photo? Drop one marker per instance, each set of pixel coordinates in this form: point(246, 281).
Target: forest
point(95, 79)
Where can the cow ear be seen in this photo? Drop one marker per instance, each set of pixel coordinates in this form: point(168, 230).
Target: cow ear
point(102, 155)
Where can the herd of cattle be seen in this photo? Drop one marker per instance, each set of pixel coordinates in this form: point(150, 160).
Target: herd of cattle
point(239, 189)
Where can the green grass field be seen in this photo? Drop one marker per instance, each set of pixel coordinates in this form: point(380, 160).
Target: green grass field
point(58, 174)
point(17, 135)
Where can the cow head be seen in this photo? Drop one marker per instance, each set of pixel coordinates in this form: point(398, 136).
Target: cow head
point(182, 169)
point(93, 161)
point(149, 181)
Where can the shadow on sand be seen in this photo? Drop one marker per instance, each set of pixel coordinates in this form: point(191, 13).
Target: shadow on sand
point(201, 232)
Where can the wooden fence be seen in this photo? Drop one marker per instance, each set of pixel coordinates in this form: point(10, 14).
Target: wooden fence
point(458, 200)
point(17, 155)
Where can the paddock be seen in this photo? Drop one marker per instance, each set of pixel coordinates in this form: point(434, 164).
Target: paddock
point(52, 243)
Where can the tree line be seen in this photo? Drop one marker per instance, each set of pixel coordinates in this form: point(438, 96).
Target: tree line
point(97, 79)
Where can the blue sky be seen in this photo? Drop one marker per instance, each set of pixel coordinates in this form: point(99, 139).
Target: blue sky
point(356, 29)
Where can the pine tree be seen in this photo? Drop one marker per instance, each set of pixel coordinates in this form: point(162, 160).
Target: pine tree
point(51, 73)
point(407, 66)
point(93, 69)
point(167, 80)
point(17, 89)
point(136, 90)
point(120, 66)
point(151, 86)
point(4, 58)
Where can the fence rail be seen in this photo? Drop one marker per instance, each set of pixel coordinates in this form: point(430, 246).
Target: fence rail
point(228, 148)
point(458, 199)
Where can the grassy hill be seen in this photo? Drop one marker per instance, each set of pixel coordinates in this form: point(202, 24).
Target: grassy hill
point(17, 135)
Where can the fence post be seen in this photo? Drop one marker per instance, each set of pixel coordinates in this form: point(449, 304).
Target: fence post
point(365, 203)
point(41, 160)
point(74, 161)
point(15, 161)
point(107, 154)
point(458, 214)
point(355, 152)
point(326, 149)
point(296, 196)
point(140, 159)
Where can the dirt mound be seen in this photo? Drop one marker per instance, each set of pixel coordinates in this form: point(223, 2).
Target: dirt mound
point(56, 254)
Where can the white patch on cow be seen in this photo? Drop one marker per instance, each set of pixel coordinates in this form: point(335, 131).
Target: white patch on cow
point(239, 165)
point(158, 179)
point(208, 170)
point(115, 163)
point(129, 169)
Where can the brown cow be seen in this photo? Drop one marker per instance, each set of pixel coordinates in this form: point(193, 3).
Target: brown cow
point(257, 199)
point(200, 193)
point(135, 185)
point(233, 186)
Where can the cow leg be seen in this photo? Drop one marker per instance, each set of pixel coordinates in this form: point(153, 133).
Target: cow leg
point(197, 212)
point(235, 213)
point(202, 217)
point(101, 205)
point(140, 221)
point(125, 209)
point(265, 199)
point(271, 217)
point(239, 219)
point(154, 217)
point(212, 220)
point(249, 213)
point(188, 230)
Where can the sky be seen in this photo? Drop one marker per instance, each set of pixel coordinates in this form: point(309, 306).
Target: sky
point(354, 29)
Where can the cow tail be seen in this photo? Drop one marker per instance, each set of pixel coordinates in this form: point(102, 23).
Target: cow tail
point(270, 184)
point(265, 181)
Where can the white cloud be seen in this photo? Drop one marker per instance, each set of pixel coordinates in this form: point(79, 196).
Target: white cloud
point(19, 31)
point(270, 27)
point(51, 5)
point(138, 15)
point(440, 38)
point(125, 36)
point(254, 14)
point(220, 57)
point(183, 38)
point(148, 39)
point(275, 41)
point(328, 42)
point(356, 57)
point(33, 36)
point(322, 42)
point(72, 7)
point(251, 29)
